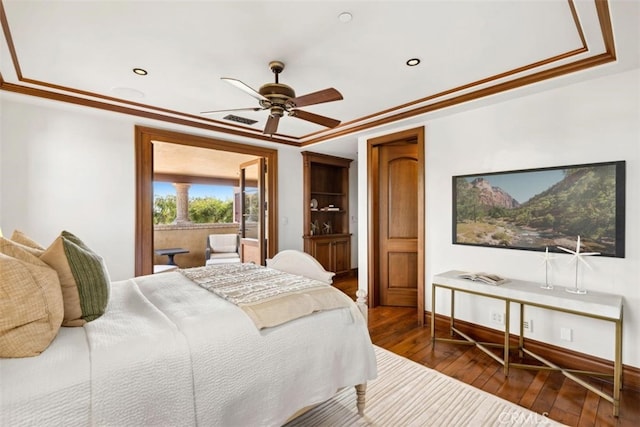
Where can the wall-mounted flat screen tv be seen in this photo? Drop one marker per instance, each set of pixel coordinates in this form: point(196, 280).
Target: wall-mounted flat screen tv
point(539, 209)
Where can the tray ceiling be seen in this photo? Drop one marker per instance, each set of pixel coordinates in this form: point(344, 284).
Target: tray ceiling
point(83, 52)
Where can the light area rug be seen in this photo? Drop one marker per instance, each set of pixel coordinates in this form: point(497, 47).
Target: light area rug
point(408, 394)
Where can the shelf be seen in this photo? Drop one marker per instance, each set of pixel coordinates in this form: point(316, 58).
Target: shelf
point(324, 236)
point(325, 193)
point(326, 183)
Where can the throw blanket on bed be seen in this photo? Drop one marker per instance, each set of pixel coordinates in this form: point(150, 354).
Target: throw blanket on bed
point(269, 297)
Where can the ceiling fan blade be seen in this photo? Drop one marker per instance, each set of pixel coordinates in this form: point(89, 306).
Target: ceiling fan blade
point(272, 125)
point(245, 88)
point(315, 118)
point(232, 109)
point(326, 95)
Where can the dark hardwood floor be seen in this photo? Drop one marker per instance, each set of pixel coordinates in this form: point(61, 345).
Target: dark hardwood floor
point(544, 392)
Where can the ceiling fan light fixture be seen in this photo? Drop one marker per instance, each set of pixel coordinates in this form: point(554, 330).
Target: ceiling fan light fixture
point(277, 111)
point(140, 71)
point(413, 62)
point(281, 99)
point(277, 90)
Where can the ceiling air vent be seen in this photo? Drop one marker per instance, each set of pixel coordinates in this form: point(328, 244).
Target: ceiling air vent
point(239, 119)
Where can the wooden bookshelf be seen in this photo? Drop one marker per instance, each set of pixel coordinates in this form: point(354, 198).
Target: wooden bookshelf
point(326, 210)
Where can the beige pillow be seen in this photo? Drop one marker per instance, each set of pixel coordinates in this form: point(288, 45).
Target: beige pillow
point(83, 277)
point(31, 307)
point(19, 237)
point(27, 243)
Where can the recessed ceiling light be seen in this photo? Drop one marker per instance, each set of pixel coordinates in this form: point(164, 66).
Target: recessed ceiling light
point(140, 71)
point(345, 17)
point(413, 62)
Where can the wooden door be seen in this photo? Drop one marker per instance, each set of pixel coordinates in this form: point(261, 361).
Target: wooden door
point(252, 200)
point(398, 227)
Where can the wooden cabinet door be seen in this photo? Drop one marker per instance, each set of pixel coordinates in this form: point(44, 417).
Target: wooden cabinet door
point(332, 252)
point(341, 255)
point(323, 252)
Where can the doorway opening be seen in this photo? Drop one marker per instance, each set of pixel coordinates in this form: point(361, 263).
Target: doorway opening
point(396, 265)
point(145, 140)
point(196, 200)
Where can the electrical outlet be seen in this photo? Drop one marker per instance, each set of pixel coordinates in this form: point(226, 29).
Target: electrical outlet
point(566, 334)
point(497, 317)
point(527, 325)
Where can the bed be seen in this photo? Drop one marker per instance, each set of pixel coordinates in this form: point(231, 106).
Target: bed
point(170, 351)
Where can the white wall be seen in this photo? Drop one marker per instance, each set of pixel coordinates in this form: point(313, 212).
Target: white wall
point(593, 121)
point(1, 134)
point(290, 198)
point(63, 170)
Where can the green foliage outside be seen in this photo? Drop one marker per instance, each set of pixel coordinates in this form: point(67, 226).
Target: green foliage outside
point(201, 210)
point(164, 209)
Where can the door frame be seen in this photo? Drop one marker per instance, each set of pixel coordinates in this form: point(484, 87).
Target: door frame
point(144, 138)
point(373, 207)
point(260, 184)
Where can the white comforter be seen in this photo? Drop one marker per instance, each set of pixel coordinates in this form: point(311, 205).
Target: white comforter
point(170, 353)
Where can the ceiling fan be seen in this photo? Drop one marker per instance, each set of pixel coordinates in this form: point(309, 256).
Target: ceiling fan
point(279, 99)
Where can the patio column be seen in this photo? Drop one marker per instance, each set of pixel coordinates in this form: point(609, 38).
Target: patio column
point(182, 203)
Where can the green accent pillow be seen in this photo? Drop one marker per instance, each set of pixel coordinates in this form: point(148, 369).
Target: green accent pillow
point(83, 276)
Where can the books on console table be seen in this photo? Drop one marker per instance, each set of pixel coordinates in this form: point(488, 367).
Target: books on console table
point(489, 279)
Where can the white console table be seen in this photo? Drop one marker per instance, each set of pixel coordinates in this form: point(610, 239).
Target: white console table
point(595, 305)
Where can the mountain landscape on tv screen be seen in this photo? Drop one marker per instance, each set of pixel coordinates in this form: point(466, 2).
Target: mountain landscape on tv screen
point(582, 203)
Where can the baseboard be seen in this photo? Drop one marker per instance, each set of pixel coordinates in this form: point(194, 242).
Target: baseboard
point(566, 358)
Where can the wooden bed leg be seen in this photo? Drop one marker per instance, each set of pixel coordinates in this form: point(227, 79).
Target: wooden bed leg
point(361, 390)
point(361, 302)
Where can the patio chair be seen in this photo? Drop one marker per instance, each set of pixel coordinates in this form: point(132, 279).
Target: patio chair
point(222, 249)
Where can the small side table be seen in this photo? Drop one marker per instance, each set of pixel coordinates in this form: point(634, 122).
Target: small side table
point(171, 252)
